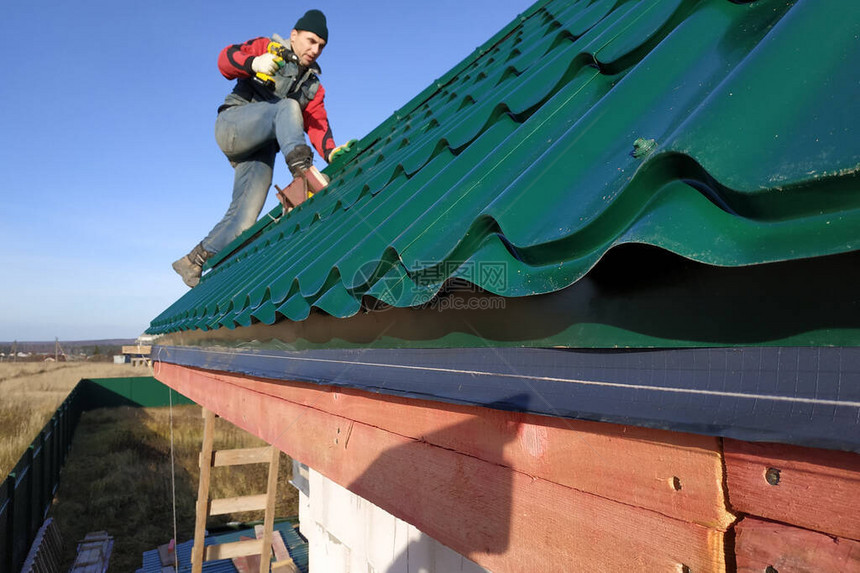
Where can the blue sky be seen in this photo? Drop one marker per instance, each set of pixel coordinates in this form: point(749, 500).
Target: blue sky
point(109, 165)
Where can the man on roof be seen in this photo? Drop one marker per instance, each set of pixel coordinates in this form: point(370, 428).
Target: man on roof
point(276, 100)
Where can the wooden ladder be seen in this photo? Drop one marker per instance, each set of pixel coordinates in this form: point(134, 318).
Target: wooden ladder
point(210, 458)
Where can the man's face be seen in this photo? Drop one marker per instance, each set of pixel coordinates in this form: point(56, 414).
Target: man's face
point(306, 45)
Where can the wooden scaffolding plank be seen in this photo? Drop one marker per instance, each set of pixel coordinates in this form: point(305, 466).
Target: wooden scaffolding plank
point(502, 518)
point(766, 546)
point(279, 548)
point(236, 504)
point(242, 456)
point(203, 492)
point(807, 487)
point(246, 563)
point(269, 517)
point(285, 567)
point(234, 549)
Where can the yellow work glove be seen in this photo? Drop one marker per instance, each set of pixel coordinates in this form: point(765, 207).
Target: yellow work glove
point(341, 149)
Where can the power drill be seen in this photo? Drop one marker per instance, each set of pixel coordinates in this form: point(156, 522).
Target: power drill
point(281, 53)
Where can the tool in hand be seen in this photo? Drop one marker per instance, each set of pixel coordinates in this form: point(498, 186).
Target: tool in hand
point(282, 54)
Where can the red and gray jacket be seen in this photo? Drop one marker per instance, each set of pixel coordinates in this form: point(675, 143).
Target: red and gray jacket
point(297, 82)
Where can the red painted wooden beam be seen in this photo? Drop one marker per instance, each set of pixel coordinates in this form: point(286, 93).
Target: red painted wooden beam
point(460, 473)
point(766, 546)
point(812, 488)
point(680, 475)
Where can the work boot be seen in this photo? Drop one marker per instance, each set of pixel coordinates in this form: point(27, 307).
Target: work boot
point(299, 159)
point(190, 267)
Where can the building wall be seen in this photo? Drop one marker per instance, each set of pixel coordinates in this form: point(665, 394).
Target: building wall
point(348, 534)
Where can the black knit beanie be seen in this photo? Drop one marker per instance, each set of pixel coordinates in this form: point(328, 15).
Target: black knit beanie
point(313, 21)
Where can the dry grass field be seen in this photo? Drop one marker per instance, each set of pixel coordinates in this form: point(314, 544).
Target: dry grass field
point(119, 478)
point(126, 463)
point(30, 393)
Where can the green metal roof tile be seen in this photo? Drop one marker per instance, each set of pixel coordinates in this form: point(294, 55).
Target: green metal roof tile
point(594, 156)
point(542, 81)
point(722, 132)
point(525, 55)
point(241, 318)
point(382, 176)
point(294, 308)
point(283, 286)
point(639, 31)
point(393, 287)
point(422, 237)
point(578, 18)
point(265, 313)
point(421, 152)
point(337, 301)
point(455, 72)
point(802, 135)
point(717, 237)
point(266, 274)
point(479, 118)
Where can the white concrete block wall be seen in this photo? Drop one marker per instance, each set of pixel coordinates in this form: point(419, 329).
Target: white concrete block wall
point(348, 534)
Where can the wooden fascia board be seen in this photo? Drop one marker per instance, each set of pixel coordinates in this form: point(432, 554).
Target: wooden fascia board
point(762, 545)
point(808, 487)
point(673, 473)
point(498, 487)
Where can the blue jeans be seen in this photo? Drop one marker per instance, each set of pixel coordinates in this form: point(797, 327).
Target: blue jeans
point(249, 135)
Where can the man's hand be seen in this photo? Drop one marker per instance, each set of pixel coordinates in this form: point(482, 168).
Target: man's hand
point(265, 64)
point(341, 149)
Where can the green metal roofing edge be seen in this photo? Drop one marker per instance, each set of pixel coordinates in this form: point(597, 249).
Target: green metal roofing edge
point(677, 303)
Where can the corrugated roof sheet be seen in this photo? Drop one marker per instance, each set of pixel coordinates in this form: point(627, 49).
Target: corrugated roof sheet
point(297, 547)
point(724, 132)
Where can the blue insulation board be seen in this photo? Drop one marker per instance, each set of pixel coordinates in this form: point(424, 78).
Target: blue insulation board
point(296, 545)
point(799, 395)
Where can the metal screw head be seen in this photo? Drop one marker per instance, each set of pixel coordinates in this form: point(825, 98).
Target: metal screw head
point(642, 147)
point(772, 476)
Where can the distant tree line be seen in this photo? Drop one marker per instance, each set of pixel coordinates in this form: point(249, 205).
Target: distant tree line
point(41, 351)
